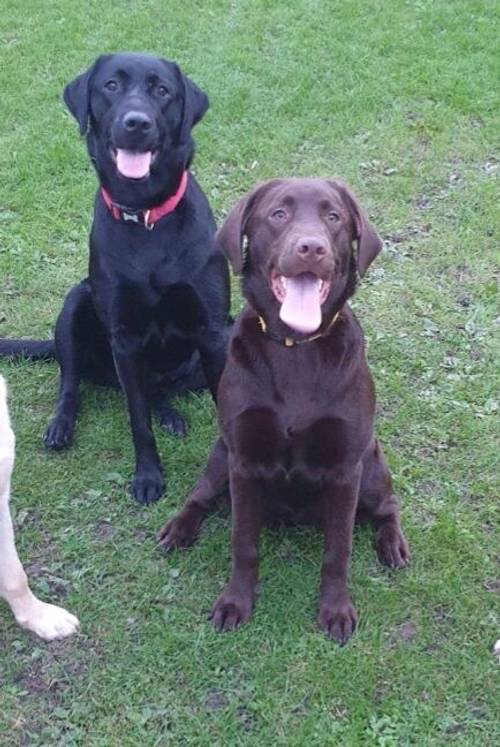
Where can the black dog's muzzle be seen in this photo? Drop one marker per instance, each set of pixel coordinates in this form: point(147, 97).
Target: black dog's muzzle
point(134, 127)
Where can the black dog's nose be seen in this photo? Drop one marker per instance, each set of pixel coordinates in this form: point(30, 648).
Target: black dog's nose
point(311, 247)
point(137, 122)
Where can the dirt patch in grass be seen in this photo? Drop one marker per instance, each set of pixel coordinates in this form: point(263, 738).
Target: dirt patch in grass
point(442, 614)
point(216, 701)
point(405, 633)
point(492, 585)
point(104, 531)
point(246, 719)
point(423, 517)
point(460, 273)
point(381, 692)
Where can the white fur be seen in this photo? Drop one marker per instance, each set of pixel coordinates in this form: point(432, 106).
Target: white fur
point(46, 620)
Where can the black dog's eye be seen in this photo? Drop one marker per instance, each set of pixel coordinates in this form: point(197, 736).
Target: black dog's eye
point(111, 85)
point(333, 217)
point(162, 91)
point(279, 214)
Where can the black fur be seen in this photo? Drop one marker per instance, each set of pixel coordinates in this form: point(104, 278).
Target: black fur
point(153, 313)
point(35, 350)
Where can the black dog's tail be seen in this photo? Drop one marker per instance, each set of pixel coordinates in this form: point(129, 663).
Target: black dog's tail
point(35, 350)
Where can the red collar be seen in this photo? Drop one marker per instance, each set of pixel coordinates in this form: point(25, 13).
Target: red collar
point(147, 218)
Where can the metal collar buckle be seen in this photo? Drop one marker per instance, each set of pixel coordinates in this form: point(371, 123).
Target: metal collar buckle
point(147, 224)
point(129, 217)
point(141, 218)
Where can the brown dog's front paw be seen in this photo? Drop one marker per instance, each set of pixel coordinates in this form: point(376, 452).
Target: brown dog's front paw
point(338, 621)
point(392, 547)
point(180, 532)
point(231, 611)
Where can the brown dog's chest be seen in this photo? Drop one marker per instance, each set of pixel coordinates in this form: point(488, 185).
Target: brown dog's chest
point(292, 459)
point(290, 462)
point(272, 444)
point(291, 418)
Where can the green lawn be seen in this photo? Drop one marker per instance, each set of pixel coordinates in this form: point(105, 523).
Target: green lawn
point(400, 99)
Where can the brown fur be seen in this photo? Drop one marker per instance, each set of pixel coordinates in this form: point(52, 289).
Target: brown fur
point(296, 423)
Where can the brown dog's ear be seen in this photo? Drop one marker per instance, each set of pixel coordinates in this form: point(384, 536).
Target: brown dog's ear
point(229, 237)
point(369, 242)
point(77, 95)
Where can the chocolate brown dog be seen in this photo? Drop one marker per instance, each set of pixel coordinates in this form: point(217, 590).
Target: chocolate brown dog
point(296, 400)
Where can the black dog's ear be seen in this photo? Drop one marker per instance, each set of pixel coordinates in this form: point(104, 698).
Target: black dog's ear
point(369, 242)
point(229, 237)
point(195, 105)
point(77, 96)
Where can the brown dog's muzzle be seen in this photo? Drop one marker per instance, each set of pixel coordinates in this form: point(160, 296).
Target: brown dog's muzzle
point(307, 253)
point(301, 281)
point(310, 248)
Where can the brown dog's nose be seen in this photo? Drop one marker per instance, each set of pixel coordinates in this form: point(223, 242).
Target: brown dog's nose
point(310, 247)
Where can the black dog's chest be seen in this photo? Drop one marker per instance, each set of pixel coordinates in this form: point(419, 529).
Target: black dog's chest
point(135, 271)
point(143, 288)
point(155, 313)
point(146, 315)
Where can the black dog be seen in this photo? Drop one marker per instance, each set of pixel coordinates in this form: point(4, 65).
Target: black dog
point(153, 313)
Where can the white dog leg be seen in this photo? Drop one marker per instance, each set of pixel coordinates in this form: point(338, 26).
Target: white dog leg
point(46, 620)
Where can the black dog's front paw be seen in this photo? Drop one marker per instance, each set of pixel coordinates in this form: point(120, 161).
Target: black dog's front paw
point(59, 433)
point(147, 487)
point(173, 422)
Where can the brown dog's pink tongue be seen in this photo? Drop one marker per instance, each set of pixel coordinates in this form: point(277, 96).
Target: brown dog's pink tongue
point(133, 165)
point(301, 309)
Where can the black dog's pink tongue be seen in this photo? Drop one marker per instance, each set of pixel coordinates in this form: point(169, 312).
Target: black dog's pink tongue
point(133, 165)
point(301, 309)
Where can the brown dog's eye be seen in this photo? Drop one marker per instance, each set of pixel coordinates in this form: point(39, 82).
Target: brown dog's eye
point(279, 214)
point(111, 85)
point(333, 217)
point(162, 91)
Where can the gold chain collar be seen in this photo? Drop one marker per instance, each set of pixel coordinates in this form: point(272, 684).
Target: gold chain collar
point(289, 342)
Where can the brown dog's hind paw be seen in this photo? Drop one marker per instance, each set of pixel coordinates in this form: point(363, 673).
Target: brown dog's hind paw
point(230, 612)
point(338, 622)
point(179, 532)
point(392, 547)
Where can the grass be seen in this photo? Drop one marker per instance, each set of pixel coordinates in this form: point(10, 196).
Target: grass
point(399, 98)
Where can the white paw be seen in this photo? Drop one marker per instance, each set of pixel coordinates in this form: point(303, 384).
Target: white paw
point(49, 621)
